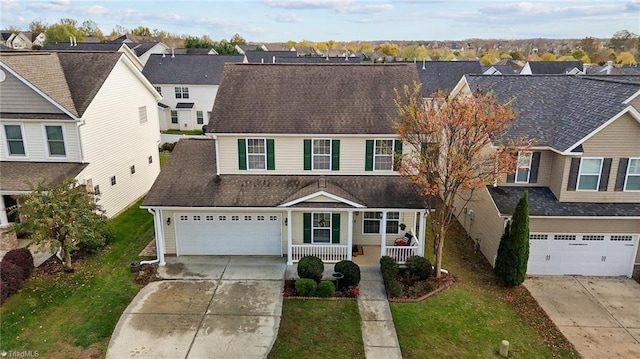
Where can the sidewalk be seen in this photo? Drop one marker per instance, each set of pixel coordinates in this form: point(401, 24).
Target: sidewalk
point(378, 331)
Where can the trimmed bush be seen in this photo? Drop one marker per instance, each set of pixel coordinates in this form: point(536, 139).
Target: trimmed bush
point(22, 258)
point(351, 272)
point(4, 291)
point(306, 287)
point(513, 251)
point(168, 146)
point(311, 267)
point(388, 268)
point(419, 267)
point(12, 276)
point(393, 288)
point(325, 289)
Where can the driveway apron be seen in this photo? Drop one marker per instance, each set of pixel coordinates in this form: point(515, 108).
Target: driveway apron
point(206, 307)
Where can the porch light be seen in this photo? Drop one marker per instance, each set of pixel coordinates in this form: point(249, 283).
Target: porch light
point(286, 222)
point(169, 221)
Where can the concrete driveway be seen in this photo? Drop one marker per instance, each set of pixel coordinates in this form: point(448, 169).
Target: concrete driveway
point(600, 316)
point(208, 307)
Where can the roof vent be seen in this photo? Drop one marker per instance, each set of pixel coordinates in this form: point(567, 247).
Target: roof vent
point(322, 183)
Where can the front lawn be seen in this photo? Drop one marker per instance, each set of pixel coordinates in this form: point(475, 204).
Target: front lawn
point(319, 329)
point(470, 319)
point(178, 132)
point(73, 315)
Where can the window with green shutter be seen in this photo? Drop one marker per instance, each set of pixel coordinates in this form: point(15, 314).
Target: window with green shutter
point(368, 161)
point(335, 228)
point(321, 155)
point(306, 227)
point(242, 154)
point(256, 154)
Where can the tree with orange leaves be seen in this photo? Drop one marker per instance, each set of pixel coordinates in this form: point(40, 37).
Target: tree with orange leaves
point(455, 150)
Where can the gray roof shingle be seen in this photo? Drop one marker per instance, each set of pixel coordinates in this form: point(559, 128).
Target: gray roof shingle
point(553, 67)
point(542, 202)
point(308, 98)
point(266, 57)
point(558, 110)
point(194, 159)
point(187, 69)
point(444, 75)
point(82, 46)
point(14, 175)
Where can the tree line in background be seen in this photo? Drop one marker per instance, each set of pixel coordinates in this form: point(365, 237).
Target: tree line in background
point(622, 48)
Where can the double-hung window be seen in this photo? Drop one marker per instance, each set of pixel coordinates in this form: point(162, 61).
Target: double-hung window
point(174, 116)
point(524, 167)
point(321, 154)
point(383, 155)
point(632, 181)
point(256, 154)
point(181, 92)
point(159, 89)
point(321, 228)
point(55, 140)
point(15, 140)
point(200, 117)
point(372, 222)
point(589, 174)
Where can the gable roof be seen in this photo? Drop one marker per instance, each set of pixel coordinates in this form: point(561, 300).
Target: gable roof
point(309, 99)
point(82, 46)
point(267, 56)
point(558, 111)
point(140, 48)
point(444, 75)
point(14, 175)
point(553, 67)
point(194, 159)
point(317, 60)
point(187, 69)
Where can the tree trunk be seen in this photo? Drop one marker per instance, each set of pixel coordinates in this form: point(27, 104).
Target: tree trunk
point(66, 257)
point(439, 244)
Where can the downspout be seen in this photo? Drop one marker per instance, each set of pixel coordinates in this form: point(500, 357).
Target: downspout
point(80, 123)
point(215, 142)
point(158, 247)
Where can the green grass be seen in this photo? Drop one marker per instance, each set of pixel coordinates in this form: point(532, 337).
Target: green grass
point(319, 329)
point(178, 132)
point(164, 156)
point(470, 319)
point(74, 315)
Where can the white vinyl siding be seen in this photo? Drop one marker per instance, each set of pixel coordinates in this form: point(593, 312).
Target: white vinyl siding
point(142, 114)
point(589, 174)
point(632, 180)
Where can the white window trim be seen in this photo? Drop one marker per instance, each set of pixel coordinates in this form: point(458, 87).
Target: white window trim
point(158, 89)
point(393, 152)
point(247, 154)
point(181, 91)
point(528, 167)
point(202, 112)
point(323, 155)
point(64, 139)
point(626, 176)
point(591, 174)
point(380, 229)
point(24, 140)
point(171, 117)
point(330, 228)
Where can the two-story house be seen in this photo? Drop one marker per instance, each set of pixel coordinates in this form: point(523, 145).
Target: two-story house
point(88, 116)
point(582, 173)
point(299, 160)
point(188, 84)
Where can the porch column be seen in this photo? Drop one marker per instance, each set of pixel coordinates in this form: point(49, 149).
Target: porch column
point(160, 245)
point(289, 238)
point(349, 235)
point(383, 229)
point(421, 234)
point(4, 220)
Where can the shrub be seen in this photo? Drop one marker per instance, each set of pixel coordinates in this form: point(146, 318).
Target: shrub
point(393, 288)
point(168, 146)
point(325, 289)
point(311, 267)
point(513, 251)
point(306, 287)
point(419, 267)
point(351, 272)
point(4, 291)
point(388, 268)
point(12, 276)
point(22, 258)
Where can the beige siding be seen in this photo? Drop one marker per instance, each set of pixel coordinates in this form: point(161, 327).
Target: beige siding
point(559, 172)
point(17, 97)
point(620, 139)
point(544, 172)
point(169, 232)
point(113, 140)
point(322, 199)
point(636, 103)
point(35, 142)
point(360, 238)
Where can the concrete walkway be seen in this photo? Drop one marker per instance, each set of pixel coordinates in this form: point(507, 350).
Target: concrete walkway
point(378, 331)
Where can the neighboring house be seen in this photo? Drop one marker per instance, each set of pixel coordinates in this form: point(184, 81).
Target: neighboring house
point(299, 160)
point(188, 85)
point(611, 69)
point(25, 40)
point(250, 47)
point(130, 38)
point(88, 116)
point(145, 49)
point(95, 47)
point(503, 67)
point(443, 75)
point(582, 173)
point(552, 68)
point(317, 60)
point(267, 57)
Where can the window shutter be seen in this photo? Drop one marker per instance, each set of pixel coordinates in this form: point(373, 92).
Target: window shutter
point(604, 176)
point(307, 155)
point(242, 154)
point(622, 174)
point(397, 158)
point(307, 228)
point(573, 174)
point(335, 227)
point(368, 164)
point(335, 155)
point(271, 160)
point(535, 163)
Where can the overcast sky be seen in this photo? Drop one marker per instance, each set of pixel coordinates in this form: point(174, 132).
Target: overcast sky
point(343, 20)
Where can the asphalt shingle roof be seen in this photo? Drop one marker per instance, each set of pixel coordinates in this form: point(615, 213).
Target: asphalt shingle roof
point(553, 67)
point(309, 99)
point(194, 159)
point(444, 75)
point(267, 56)
point(14, 175)
point(542, 202)
point(558, 110)
point(187, 69)
point(82, 46)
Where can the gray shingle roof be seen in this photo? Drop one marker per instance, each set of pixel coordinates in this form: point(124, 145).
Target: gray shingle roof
point(558, 110)
point(444, 75)
point(267, 56)
point(542, 202)
point(317, 60)
point(82, 46)
point(309, 99)
point(13, 175)
point(194, 159)
point(553, 67)
point(187, 69)
point(140, 48)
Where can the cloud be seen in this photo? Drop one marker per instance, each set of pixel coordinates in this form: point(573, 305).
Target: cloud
point(289, 17)
point(60, 2)
point(364, 9)
point(96, 10)
point(307, 4)
point(9, 5)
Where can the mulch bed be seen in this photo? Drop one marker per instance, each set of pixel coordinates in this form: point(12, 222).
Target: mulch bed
point(290, 292)
point(418, 290)
point(50, 266)
point(636, 273)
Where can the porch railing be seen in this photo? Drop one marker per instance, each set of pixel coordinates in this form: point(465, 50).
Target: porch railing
point(401, 253)
point(330, 253)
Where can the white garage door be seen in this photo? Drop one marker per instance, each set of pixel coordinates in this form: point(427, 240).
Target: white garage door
point(223, 233)
point(582, 254)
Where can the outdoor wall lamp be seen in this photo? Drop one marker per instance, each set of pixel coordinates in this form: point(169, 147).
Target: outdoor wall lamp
point(286, 222)
point(169, 221)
